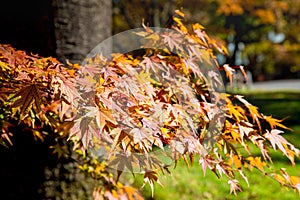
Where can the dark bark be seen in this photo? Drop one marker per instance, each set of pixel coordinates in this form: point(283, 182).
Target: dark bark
point(80, 26)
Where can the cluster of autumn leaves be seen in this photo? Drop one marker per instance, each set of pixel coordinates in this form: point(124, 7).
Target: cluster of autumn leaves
point(126, 112)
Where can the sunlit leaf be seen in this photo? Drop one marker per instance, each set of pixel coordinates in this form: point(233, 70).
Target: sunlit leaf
point(26, 98)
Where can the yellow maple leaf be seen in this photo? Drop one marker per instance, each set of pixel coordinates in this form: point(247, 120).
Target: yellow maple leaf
point(275, 122)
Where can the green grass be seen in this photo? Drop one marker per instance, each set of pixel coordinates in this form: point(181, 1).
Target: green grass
point(189, 183)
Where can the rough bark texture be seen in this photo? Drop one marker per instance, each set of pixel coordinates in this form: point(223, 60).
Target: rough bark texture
point(79, 26)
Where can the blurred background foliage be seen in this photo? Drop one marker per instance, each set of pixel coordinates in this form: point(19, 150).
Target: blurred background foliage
point(262, 35)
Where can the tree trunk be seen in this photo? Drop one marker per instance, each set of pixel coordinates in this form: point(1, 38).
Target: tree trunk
point(80, 26)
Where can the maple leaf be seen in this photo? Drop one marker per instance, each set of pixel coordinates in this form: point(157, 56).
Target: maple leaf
point(275, 122)
point(234, 186)
point(122, 161)
point(279, 178)
point(129, 84)
point(190, 62)
point(198, 29)
point(152, 64)
point(151, 123)
point(241, 99)
point(206, 161)
point(85, 131)
point(159, 114)
point(220, 48)
point(221, 169)
point(244, 176)
point(243, 71)
point(252, 109)
point(235, 111)
point(235, 159)
point(59, 150)
point(151, 177)
point(101, 115)
point(245, 130)
point(4, 66)
point(65, 88)
point(255, 114)
point(140, 134)
point(263, 150)
point(132, 193)
point(172, 39)
point(120, 137)
point(144, 81)
point(215, 79)
point(90, 70)
point(229, 72)
point(292, 181)
point(184, 92)
point(256, 162)
point(27, 97)
point(277, 140)
point(90, 123)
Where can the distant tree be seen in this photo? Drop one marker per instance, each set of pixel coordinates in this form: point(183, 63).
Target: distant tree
point(257, 33)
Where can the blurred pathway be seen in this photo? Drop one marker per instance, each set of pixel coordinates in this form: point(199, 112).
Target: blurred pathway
point(289, 85)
